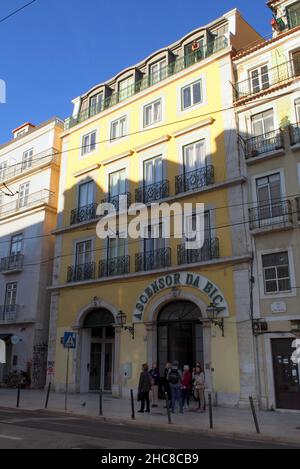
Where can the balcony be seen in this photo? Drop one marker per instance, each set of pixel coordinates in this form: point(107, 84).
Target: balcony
point(266, 143)
point(120, 201)
point(298, 207)
point(271, 215)
point(48, 156)
point(150, 260)
point(13, 263)
point(114, 266)
point(8, 313)
point(81, 272)
point(29, 201)
point(294, 132)
point(82, 214)
point(152, 192)
point(147, 81)
point(276, 75)
point(209, 251)
point(194, 179)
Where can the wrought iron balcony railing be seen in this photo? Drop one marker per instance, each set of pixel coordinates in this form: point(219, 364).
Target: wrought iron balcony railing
point(11, 263)
point(209, 251)
point(114, 266)
point(298, 207)
point(120, 201)
point(294, 131)
point(194, 179)
point(174, 67)
point(82, 214)
point(274, 76)
point(9, 312)
point(268, 214)
point(39, 159)
point(150, 260)
point(77, 273)
point(152, 192)
point(265, 143)
point(23, 203)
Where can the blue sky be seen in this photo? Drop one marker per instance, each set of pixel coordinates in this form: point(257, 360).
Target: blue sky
point(54, 50)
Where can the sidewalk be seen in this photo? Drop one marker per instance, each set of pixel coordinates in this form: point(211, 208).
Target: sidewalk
point(238, 423)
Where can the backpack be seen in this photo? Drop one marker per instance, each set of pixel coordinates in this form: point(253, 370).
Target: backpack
point(174, 376)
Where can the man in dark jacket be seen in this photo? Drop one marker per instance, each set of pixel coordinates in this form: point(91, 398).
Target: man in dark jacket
point(144, 388)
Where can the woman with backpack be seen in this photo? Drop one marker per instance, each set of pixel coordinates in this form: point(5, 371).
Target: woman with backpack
point(199, 386)
point(174, 378)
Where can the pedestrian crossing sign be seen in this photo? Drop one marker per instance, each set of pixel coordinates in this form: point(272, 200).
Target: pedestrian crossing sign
point(69, 340)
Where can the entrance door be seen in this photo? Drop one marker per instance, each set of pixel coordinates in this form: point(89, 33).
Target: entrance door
point(180, 335)
point(286, 375)
point(101, 358)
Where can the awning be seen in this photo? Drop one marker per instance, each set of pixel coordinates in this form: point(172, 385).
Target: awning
point(5, 336)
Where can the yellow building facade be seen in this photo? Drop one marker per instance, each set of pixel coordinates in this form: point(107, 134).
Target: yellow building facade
point(161, 131)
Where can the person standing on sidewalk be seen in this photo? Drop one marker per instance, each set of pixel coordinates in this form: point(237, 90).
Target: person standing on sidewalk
point(199, 386)
point(186, 386)
point(154, 373)
point(144, 388)
point(174, 378)
point(167, 388)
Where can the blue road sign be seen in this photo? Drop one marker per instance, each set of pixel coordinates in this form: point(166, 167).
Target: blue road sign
point(69, 340)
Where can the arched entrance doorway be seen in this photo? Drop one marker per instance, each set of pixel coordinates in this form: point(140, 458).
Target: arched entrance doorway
point(179, 334)
point(99, 333)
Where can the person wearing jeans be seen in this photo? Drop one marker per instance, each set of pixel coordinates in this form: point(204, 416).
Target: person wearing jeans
point(174, 378)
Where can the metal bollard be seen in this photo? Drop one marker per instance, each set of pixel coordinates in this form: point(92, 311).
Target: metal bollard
point(211, 423)
point(100, 402)
point(254, 414)
point(132, 405)
point(48, 394)
point(168, 408)
point(18, 395)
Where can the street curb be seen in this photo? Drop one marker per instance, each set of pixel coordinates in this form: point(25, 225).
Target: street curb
point(179, 428)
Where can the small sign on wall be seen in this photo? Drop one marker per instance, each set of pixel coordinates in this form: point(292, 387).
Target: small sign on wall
point(278, 307)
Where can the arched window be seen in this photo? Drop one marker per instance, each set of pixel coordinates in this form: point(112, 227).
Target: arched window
point(99, 317)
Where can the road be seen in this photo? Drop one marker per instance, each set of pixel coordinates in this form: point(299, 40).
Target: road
point(21, 429)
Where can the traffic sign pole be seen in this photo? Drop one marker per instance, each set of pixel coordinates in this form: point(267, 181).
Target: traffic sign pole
point(67, 379)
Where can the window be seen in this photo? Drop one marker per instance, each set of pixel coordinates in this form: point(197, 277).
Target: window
point(117, 183)
point(152, 113)
point(191, 226)
point(297, 110)
point(3, 167)
point(23, 194)
point(191, 94)
point(83, 252)
point(21, 132)
point(296, 60)
point(194, 156)
point(158, 71)
point(27, 159)
point(155, 239)
point(10, 295)
point(88, 143)
point(85, 194)
point(259, 78)
point(126, 88)
point(268, 190)
point(293, 14)
point(262, 123)
point(276, 272)
point(96, 103)
point(153, 170)
point(193, 54)
point(16, 245)
point(118, 128)
point(115, 247)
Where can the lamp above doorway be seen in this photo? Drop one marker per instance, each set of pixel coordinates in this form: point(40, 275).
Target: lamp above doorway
point(121, 321)
point(212, 312)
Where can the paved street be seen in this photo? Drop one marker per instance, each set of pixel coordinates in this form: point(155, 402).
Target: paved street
point(39, 429)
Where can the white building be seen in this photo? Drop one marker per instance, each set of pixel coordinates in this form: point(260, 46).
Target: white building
point(29, 178)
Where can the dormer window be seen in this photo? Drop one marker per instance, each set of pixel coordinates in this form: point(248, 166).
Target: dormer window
point(126, 88)
point(21, 132)
point(194, 51)
point(96, 103)
point(158, 71)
